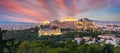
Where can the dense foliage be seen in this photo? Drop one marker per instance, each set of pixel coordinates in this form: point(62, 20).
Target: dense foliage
point(31, 43)
point(42, 46)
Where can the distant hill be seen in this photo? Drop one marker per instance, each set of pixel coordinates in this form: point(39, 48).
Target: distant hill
point(98, 21)
point(106, 22)
point(85, 19)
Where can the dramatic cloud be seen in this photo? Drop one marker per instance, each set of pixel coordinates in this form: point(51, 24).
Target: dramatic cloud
point(40, 10)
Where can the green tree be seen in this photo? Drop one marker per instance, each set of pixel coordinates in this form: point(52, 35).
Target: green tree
point(117, 50)
point(107, 49)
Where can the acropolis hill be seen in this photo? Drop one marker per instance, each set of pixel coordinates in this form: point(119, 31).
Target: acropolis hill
point(58, 27)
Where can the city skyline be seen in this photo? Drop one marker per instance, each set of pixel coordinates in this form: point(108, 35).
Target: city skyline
point(39, 10)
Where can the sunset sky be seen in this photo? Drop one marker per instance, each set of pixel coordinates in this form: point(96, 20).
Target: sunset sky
point(40, 10)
